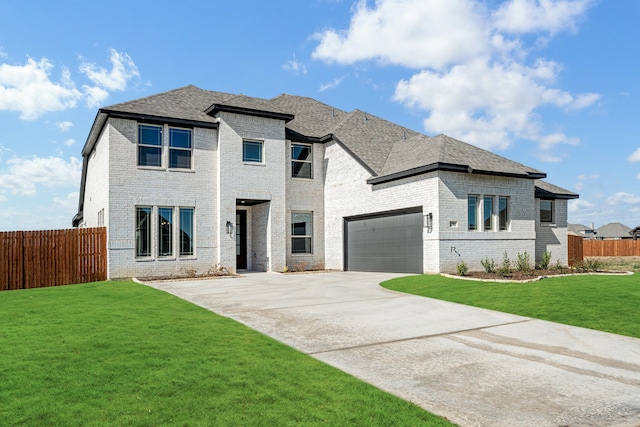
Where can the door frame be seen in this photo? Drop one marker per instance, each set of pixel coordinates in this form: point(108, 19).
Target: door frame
point(241, 240)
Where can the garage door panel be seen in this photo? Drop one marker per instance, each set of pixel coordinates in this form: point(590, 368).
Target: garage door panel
point(388, 244)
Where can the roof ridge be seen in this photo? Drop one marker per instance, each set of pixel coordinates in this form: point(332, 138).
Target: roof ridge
point(155, 95)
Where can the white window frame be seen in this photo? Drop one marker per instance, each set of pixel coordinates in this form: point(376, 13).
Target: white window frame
point(308, 233)
point(158, 147)
point(248, 161)
point(309, 161)
point(172, 148)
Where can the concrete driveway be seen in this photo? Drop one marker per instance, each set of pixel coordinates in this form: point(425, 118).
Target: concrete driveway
point(473, 366)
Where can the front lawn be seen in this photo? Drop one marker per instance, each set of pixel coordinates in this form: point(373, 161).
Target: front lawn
point(123, 354)
point(606, 303)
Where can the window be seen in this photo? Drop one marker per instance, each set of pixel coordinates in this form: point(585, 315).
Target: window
point(143, 231)
point(165, 232)
point(472, 212)
point(546, 210)
point(186, 231)
point(301, 161)
point(503, 213)
point(301, 232)
point(488, 213)
point(179, 148)
point(252, 151)
point(149, 145)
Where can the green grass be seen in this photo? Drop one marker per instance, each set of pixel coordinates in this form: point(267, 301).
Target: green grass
point(606, 303)
point(123, 354)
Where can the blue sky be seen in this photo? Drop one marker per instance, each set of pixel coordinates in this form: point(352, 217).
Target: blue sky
point(551, 84)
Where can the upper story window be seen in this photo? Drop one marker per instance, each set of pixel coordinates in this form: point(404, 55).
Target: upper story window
point(180, 148)
point(149, 145)
point(252, 151)
point(301, 161)
point(546, 210)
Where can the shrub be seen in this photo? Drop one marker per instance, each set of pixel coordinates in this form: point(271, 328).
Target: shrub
point(523, 264)
point(505, 266)
point(462, 268)
point(546, 260)
point(489, 265)
point(218, 270)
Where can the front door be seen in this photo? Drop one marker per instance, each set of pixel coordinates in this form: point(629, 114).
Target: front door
point(241, 240)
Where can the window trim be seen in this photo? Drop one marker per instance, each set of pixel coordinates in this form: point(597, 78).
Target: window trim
point(158, 147)
point(503, 226)
point(551, 211)
point(149, 233)
point(172, 148)
point(308, 235)
point(160, 235)
point(491, 201)
point(472, 226)
point(247, 160)
point(181, 253)
point(309, 161)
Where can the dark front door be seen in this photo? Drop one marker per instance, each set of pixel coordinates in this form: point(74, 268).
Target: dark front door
point(241, 240)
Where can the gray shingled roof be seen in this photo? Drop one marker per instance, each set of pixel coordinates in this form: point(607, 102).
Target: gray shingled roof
point(388, 150)
point(421, 150)
point(186, 103)
point(385, 147)
point(545, 189)
point(613, 230)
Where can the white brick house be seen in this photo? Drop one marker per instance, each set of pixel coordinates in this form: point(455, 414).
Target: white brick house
point(190, 179)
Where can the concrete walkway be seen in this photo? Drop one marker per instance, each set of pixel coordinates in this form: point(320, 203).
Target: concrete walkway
point(473, 366)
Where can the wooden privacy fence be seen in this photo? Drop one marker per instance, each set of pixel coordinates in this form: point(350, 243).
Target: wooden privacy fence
point(611, 248)
point(576, 250)
point(35, 259)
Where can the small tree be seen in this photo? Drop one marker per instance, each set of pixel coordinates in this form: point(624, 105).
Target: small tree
point(489, 265)
point(523, 264)
point(546, 260)
point(505, 266)
point(462, 268)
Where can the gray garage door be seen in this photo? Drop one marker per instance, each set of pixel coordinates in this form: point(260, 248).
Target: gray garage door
point(388, 242)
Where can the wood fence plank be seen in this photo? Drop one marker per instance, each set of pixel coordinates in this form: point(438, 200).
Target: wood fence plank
point(31, 259)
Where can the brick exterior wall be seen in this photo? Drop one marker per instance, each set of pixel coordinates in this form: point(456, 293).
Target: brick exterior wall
point(264, 181)
point(553, 236)
point(338, 189)
point(307, 195)
point(131, 186)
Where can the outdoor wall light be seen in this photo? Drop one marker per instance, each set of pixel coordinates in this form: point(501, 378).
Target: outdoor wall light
point(229, 228)
point(429, 221)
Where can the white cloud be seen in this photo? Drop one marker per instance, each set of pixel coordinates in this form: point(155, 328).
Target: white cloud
point(635, 156)
point(524, 16)
point(70, 142)
point(332, 84)
point(64, 126)
point(487, 105)
point(412, 33)
point(622, 198)
point(29, 89)
point(24, 173)
point(475, 80)
point(295, 66)
point(122, 70)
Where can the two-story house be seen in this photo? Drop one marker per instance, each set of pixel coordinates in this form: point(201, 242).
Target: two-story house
point(191, 179)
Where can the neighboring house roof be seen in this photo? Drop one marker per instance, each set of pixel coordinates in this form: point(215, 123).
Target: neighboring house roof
point(613, 230)
point(545, 190)
point(577, 228)
point(387, 150)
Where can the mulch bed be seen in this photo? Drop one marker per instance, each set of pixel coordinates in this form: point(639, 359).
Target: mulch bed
point(531, 275)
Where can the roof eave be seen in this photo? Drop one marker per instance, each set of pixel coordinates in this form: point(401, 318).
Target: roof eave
point(215, 108)
point(449, 167)
point(544, 194)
